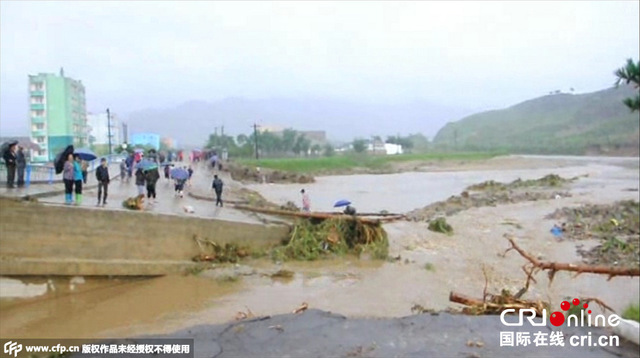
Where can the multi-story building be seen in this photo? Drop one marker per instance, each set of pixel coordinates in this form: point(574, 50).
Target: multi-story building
point(57, 114)
point(98, 124)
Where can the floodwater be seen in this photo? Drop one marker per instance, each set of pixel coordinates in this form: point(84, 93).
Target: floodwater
point(403, 192)
point(429, 265)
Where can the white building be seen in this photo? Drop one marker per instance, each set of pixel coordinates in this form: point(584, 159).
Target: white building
point(393, 148)
point(99, 130)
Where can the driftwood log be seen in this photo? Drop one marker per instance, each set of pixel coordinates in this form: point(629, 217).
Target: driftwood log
point(316, 215)
point(553, 267)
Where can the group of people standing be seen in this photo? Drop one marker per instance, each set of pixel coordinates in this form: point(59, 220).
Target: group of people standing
point(72, 177)
point(16, 163)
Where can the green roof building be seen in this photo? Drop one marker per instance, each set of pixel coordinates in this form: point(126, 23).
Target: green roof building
point(57, 114)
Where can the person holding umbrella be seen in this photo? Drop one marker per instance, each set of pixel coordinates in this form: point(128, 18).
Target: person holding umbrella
point(180, 175)
point(349, 210)
point(152, 177)
point(140, 179)
point(9, 157)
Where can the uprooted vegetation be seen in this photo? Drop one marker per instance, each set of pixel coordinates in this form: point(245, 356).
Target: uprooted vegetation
point(310, 239)
point(491, 193)
point(616, 228)
point(314, 239)
point(440, 225)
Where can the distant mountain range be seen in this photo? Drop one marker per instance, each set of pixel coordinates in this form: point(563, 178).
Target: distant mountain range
point(555, 124)
point(192, 122)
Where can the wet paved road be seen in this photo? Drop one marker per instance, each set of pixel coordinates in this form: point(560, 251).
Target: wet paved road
point(167, 202)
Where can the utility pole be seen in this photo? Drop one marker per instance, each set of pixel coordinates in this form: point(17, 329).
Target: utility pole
point(109, 128)
point(255, 135)
point(223, 140)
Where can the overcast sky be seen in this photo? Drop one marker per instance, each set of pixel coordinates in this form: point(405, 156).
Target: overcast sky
point(137, 55)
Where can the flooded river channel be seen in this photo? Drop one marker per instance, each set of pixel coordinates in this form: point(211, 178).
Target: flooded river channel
point(427, 266)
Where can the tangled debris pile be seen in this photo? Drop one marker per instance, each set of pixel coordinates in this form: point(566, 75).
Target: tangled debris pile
point(134, 202)
point(312, 239)
point(495, 304)
point(616, 227)
point(213, 252)
point(491, 193)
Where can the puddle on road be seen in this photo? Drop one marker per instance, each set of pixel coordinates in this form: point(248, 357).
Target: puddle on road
point(101, 306)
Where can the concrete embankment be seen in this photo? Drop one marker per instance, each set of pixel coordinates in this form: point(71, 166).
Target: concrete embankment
point(37, 239)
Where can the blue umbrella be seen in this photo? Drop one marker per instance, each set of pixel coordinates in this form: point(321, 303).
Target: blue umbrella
point(146, 164)
point(179, 173)
point(85, 154)
point(342, 202)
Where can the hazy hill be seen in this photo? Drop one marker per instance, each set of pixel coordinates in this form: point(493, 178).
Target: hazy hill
point(192, 122)
point(559, 123)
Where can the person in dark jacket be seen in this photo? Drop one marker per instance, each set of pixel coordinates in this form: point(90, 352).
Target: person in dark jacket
point(21, 164)
point(217, 187)
point(102, 175)
point(9, 157)
point(68, 178)
point(129, 162)
point(140, 179)
point(152, 177)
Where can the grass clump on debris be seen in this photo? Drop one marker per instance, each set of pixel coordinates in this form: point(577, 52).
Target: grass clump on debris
point(316, 239)
point(440, 225)
point(548, 181)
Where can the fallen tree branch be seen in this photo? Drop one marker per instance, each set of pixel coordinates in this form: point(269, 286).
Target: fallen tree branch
point(554, 267)
point(308, 215)
point(495, 305)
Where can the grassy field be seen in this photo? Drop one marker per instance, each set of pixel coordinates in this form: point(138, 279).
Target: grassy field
point(345, 162)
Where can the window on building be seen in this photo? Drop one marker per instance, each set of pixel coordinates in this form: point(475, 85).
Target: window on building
point(39, 139)
point(42, 153)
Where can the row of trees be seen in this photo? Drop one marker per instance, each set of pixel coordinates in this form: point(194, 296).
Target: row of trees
point(411, 143)
point(288, 143)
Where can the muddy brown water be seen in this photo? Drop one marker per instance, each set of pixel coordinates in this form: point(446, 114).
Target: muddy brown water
point(430, 265)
